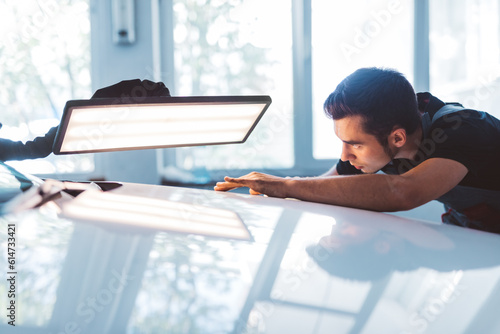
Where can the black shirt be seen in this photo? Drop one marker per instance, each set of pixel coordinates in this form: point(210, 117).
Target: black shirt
point(470, 137)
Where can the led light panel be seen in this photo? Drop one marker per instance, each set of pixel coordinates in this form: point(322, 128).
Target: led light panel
point(104, 125)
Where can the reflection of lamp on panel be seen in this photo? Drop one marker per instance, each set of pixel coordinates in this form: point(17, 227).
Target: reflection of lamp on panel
point(155, 213)
point(123, 17)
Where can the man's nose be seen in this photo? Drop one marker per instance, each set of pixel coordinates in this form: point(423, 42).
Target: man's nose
point(346, 153)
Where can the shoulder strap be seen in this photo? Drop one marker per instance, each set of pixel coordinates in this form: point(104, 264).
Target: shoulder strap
point(449, 108)
point(445, 110)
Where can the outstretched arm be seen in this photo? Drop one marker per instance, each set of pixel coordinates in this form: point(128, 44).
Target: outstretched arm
point(130, 90)
point(378, 192)
point(40, 147)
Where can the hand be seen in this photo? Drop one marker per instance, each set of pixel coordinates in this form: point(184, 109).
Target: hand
point(134, 90)
point(258, 183)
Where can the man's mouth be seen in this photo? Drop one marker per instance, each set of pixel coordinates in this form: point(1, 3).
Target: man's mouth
point(358, 167)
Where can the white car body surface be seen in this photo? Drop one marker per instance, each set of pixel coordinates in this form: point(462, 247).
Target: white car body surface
point(275, 266)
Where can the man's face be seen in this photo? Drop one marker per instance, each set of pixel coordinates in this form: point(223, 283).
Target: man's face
point(361, 149)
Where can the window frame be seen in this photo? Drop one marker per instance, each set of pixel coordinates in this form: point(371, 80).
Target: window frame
point(158, 18)
point(304, 162)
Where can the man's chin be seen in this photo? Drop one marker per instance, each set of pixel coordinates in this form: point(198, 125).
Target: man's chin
point(367, 170)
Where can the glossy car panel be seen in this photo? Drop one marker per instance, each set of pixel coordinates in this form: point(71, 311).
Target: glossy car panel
point(308, 268)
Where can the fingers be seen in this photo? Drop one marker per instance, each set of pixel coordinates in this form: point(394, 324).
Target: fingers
point(228, 184)
point(233, 180)
point(253, 192)
point(224, 186)
point(233, 183)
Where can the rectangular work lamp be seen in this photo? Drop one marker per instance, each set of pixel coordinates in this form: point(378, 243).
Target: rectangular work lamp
point(104, 125)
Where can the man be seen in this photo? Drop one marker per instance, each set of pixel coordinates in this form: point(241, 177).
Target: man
point(428, 150)
point(40, 147)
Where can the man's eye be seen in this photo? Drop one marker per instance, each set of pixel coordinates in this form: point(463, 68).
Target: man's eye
point(356, 146)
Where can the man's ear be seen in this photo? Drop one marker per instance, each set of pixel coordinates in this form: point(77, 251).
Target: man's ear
point(397, 137)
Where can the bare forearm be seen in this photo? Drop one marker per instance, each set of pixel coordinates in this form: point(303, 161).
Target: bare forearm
point(378, 192)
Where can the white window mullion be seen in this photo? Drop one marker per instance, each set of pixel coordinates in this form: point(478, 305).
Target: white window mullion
point(421, 45)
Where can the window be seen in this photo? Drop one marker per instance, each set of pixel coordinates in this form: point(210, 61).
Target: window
point(44, 61)
point(238, 47)
point(465, 53)
point(347, 36)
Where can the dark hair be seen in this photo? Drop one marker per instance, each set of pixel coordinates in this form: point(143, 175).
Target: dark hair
point(383, 97)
